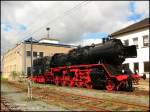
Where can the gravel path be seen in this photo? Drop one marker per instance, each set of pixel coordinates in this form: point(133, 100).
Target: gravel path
point(24, 104)
point(143, 85)
point(19, 99)
point(130, 98)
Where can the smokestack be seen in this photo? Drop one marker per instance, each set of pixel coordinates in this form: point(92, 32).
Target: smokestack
point(107, 39)
point(103, 40)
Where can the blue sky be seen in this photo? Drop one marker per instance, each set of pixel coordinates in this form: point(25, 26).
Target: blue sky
point(134, 15)
point(22, 27)
point(7, 27)
point(95, 35)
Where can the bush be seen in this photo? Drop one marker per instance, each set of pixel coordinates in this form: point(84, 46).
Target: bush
point(4, 79)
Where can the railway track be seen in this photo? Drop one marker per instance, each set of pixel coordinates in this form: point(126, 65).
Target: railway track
point(74, 101)
point(80, 101)
point(7, 106)
point(94, 103)
point(136, 92)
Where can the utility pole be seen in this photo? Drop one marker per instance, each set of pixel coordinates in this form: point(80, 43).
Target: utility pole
point(29, 79)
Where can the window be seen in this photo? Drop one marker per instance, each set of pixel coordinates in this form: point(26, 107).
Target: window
point(41, 54)
point(34, 54)
point(146, 66)
point(135, 42)
point(126, 42)
point(126, 65)
point(136, 67)
point(145, 41)
point(28, 71)
point(28, 53)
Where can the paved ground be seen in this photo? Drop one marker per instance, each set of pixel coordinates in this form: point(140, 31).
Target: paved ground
point(19, 99)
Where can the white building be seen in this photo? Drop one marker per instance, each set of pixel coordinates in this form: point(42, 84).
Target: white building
point(136, 34)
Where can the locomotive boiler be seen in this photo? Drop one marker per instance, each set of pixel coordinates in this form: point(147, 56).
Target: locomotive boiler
point(95, 66)
point(111, 52)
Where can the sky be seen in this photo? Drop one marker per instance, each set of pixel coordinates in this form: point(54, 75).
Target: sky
point(72, 22)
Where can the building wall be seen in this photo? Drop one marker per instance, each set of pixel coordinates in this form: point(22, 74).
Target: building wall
point(12, 61)
point(16, 59)
point(142, 52)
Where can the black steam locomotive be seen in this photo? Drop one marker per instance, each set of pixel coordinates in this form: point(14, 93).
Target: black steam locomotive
point(95, 59)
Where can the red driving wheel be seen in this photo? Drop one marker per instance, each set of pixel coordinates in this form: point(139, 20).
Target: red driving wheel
point(72, 83)
point(89, 85)
point(57, 80)
point(79, 84)
point(67, 78)
point(110, 85)
point(64, 82)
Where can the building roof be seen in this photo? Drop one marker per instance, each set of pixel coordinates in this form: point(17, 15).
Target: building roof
point(51, 44)
point(53, 39)
point(29, 40)
point(35, 42)
point(139, 25)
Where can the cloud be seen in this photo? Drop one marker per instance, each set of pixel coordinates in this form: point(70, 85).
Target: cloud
point(91, 18)
point(87, 42)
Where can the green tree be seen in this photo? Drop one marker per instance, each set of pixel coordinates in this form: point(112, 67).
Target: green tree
point(14, 74)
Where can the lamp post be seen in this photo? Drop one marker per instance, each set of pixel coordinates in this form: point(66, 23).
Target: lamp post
point(47, 31)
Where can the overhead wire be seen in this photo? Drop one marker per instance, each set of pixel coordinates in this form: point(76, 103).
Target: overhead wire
point(58, 17)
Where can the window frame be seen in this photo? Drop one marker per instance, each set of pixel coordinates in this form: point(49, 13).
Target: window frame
point(127, 42)
point(40, 54)
point(28, 53)
point(34, 54)
point(28, 70)
point(135, 66)
point(126, 65)
point(144, 42)
point(137, 45)
point(147, 66)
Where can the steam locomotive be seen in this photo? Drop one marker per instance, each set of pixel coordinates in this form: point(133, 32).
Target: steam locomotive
point(95, 66)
